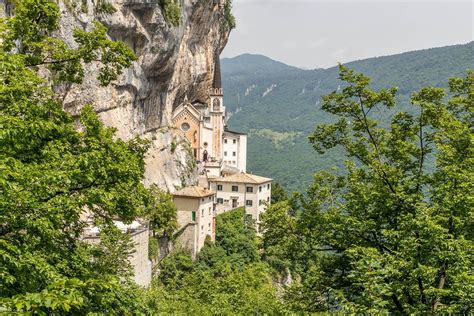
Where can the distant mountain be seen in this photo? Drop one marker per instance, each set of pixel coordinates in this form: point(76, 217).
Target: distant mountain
point(255, 64)
point(279, 105)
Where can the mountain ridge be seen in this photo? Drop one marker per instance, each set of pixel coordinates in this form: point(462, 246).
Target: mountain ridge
point(279, 108)
point(244, 56)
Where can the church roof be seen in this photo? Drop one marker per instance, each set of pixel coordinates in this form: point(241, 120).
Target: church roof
point(217, 83)
point(186, 107)
point(243, 178)
point(194, 192)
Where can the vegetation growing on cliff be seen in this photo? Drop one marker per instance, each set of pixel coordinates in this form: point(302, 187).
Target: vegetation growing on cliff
point(104, 6)
point(230, 22)
point(171, 11)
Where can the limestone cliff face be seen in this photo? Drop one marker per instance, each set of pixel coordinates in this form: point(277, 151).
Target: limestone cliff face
point(173, 63)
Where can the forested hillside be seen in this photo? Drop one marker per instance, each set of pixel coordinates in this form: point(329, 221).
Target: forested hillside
point(279, 105)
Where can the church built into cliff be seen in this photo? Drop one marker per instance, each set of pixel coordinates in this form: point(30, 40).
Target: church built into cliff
point(221, 155)
point(216, 148)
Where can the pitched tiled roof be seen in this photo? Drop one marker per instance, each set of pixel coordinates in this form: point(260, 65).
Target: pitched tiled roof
point(194, 191)
point(243, 178)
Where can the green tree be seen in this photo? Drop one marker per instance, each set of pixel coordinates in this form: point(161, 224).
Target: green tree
point(52, 175)
point(161, 213)
point(237, 236)
point(229, 18)
point(227, 277)
point(279, 238)
point(394, 234)
point(278, 193)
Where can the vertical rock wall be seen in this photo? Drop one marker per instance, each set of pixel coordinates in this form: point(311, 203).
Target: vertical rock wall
point(173, 63)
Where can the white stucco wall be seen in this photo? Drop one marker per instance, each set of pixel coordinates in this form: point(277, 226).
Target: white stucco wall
point(257, 195)
point(237, 144)
point(242, 165)
point(204, 223)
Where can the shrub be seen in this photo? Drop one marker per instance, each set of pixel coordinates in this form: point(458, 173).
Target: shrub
point(171, 11)
point(229, 17)
point(104, 6)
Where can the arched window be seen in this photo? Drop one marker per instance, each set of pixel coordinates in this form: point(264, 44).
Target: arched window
point(216, 105)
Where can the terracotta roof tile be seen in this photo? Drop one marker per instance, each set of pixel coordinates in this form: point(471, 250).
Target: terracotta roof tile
point(194, 191)
point(243, 178)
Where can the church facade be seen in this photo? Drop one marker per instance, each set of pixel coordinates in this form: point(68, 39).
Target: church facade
point(214, 146)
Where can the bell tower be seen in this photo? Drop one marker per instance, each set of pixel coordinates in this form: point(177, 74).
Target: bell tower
point(217, 111)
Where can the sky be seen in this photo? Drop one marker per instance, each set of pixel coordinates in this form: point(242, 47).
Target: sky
point(320, 33)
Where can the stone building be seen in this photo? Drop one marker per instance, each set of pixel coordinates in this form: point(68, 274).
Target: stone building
point(242, 190)
point(196, 217)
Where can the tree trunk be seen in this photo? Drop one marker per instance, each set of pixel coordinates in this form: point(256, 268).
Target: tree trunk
point(441, 281)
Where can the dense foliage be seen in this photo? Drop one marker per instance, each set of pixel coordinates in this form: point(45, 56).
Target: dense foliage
point(229, 18)
point(393, 235)
point(52, 176)
point(279, 121)
point(278, 193)
point(228, 277)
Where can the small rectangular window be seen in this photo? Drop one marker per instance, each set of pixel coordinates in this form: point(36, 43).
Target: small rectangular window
point(249, 203)
point(202, 213)
point(268, 186)
point(249, 190)
point(260, 189)
point(234, 153)
point(268, 199)
point(225, 153)
point(220, 201)
point(193, 216)
point(219, 187)
point(209, 211)
point(225, 140)
point(235, 188)
point(235, 141)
